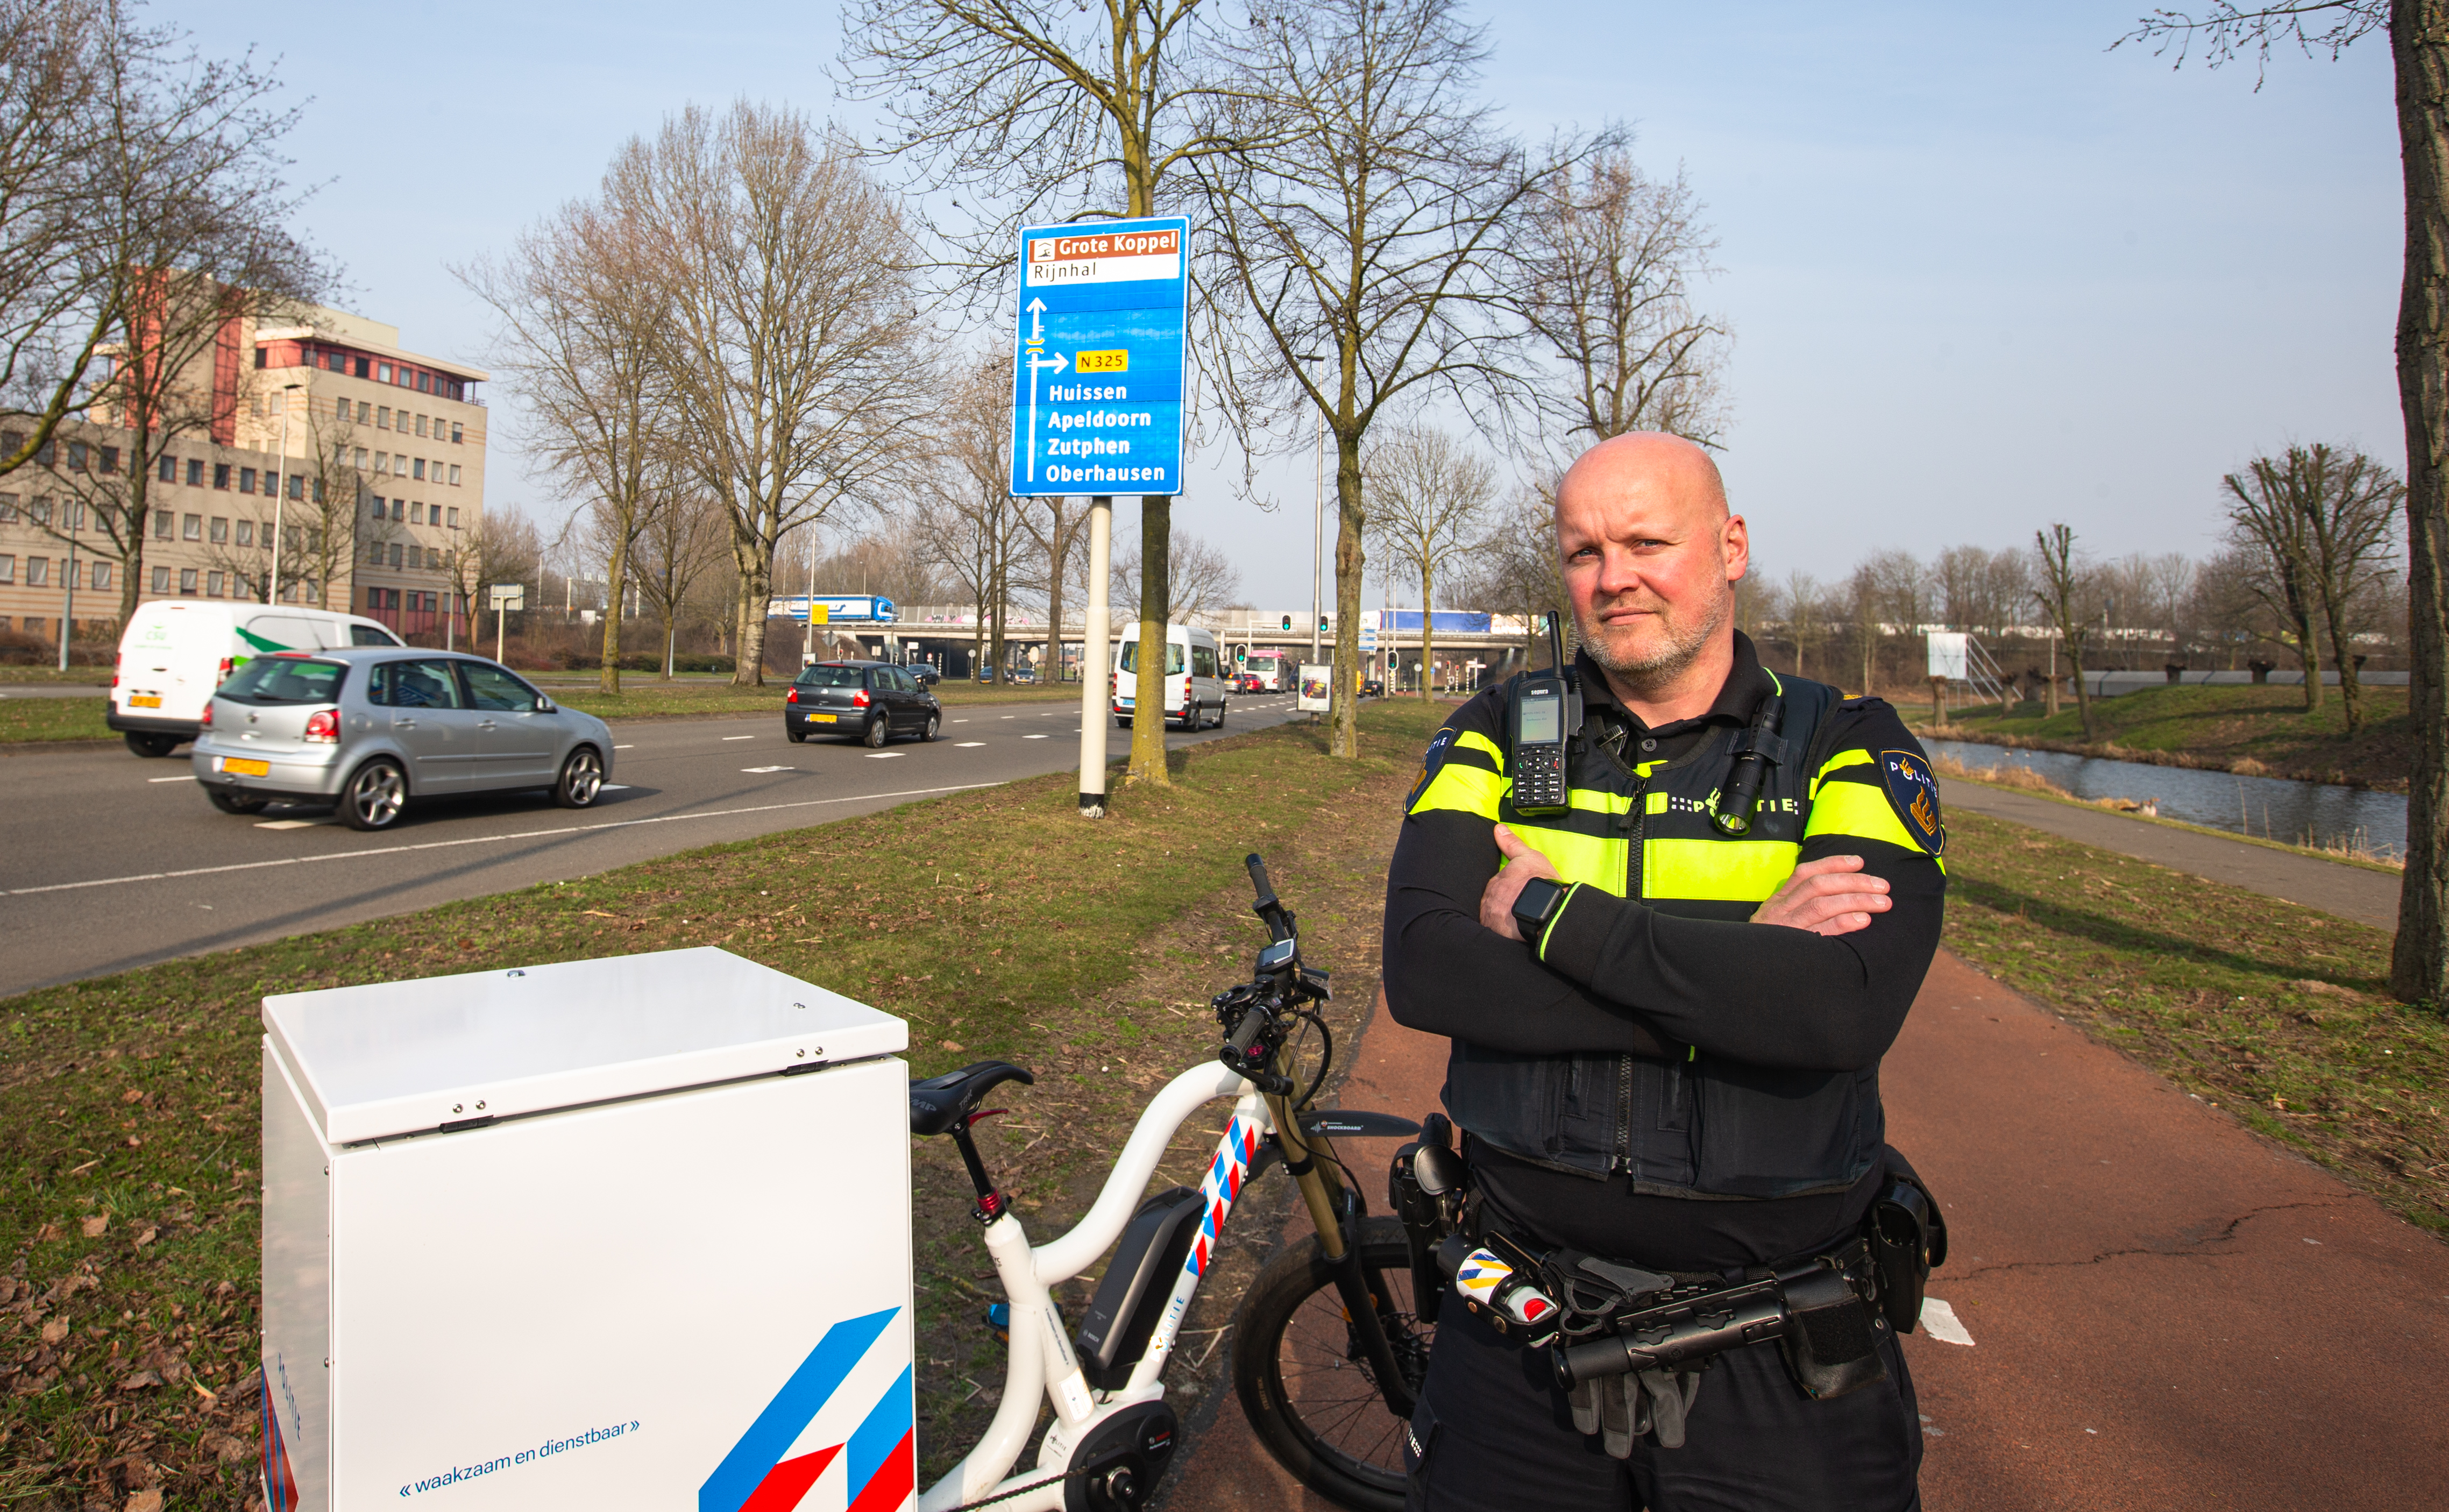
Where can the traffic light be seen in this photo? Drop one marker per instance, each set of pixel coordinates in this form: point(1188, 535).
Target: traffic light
point(1288, 622)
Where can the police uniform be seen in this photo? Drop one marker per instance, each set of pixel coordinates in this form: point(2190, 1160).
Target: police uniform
point(1656, 1080)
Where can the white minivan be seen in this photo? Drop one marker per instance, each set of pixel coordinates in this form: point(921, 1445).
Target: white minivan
point(176, 652)
point(1194, 676)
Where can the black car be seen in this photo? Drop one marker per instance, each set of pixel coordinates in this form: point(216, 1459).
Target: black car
point(866, 701)
point(926, 673)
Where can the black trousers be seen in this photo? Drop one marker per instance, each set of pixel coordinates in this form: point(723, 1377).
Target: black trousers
point(1493, 1434)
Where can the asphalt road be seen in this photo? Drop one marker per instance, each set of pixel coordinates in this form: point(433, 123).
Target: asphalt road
point(110, 861)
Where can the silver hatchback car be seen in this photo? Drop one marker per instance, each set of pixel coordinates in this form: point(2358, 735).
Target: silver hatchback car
point(369, 728)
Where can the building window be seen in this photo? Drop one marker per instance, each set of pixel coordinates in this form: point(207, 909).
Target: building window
point(168, 472)
point(8, 509)
point(456, 432)
point(212, 584)
point(246, 481)
point(419, 469)
point(416, 513)
point(455, 475)
point(39, 511)
point(297, 485)
point(397, 553)
point(192, 527)
point(261, 357)
point(247, 532)
point(364, 409)
point(187, 581)
point(164, 523)
point(420, 425)
point(102, 574)
point(318, 491)
point(219, 532)
point(78, 452)
point(47, 453)
point(8, 567)
point(38, 572)
point(365, 365)
point(221, 475)
point(380, 508)
point(195, 472)
point(358, 460)
point(111, 459)
point(161, 580)
point(382, 418)
point(382, 464)
point(454, 520)
point(425, 382)
point(382, 372)
point(374, 554)
point(398, 509)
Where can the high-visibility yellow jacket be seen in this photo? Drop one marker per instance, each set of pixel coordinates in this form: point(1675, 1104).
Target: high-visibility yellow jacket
point(1651, 1031)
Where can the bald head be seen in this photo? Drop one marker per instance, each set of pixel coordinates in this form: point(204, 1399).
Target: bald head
point(1650, 555)
point(1649, 462)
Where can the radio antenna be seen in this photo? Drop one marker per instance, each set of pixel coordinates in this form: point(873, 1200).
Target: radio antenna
point(1556, 642)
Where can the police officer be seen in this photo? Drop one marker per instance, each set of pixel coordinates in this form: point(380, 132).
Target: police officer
point(1666, 1029)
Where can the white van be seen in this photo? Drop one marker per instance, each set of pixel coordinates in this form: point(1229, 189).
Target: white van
point(1194, 676)
point(176, 652)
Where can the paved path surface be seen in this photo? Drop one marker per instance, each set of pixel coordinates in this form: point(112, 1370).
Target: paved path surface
point(2166, 1310)
point(49, 690)
point(2350, 892)
point(110, 861)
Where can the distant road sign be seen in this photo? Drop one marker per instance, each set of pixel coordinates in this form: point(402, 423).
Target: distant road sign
point(1097, 384)
point(507, 595)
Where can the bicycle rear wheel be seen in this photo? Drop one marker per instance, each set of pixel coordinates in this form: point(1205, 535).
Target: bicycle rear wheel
point(1310, 1395)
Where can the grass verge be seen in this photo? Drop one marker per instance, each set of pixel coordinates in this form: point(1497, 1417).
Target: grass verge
point(47, 719)
point(2261, 731)
point(997, 922)
point(2278, 1014)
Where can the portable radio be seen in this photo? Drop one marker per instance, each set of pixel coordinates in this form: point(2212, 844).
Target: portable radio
point(1546, 708)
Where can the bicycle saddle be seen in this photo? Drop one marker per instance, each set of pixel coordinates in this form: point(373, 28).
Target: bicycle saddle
point(940, 1104)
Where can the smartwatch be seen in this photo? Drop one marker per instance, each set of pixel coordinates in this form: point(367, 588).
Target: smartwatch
point(1535, 905)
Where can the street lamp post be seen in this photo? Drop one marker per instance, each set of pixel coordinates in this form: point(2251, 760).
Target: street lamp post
point(272, 585)
point(451, 595)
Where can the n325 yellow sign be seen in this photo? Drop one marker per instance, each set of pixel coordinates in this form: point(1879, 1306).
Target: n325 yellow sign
point(1102, 363)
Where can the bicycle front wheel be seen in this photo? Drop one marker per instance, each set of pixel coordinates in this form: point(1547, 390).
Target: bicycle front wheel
point(1310, 1394)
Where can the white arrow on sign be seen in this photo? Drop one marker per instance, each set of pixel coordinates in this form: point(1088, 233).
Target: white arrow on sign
point(1051, 359)
point(1036, 322)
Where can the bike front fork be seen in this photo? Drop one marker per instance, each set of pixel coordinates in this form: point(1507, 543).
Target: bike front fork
point(1366, 1306)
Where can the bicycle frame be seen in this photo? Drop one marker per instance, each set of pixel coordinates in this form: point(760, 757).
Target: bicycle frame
point(1041, 1363)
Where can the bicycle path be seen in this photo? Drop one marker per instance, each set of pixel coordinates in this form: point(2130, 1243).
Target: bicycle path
point(2334, 887)
point(2164, 1309)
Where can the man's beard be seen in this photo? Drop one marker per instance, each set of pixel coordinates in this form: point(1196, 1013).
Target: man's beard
point(1663, 663)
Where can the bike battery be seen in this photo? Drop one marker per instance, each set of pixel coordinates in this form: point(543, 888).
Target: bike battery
point(574, 1236)
point(1136, 1287)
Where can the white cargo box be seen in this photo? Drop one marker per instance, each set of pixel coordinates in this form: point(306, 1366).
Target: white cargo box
point(605, 1234)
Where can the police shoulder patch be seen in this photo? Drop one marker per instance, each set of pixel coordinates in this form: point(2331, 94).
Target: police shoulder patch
point(1431, 760)
point(1913, 792)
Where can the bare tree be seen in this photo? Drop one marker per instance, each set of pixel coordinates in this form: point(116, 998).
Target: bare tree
point(791, 355)
point(1199, 580)
point(1428, 494)
point(683, 533)
point(1610, 257)
point(2350, 518)
point(582, 320)
point(971, 525)
point(1806, 605)
point(1046, 110)
point(2419, 960)
point(1057, 526)
point(2267, 517)
point(2064, 596)
point(1368, 234)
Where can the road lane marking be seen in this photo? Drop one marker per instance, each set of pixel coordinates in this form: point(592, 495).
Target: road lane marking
point(1007, 716)
point(738, 737)
point(1033, 737)
point(770, 768)
point(486, 839)
point(624, 747)
point(288, 824)
point(967, 745)
point(189, 778)
point(885, 755)
point(1938, 1320)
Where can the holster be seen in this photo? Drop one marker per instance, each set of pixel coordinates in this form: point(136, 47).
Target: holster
point(1829, 1342)
point(1908, 1239)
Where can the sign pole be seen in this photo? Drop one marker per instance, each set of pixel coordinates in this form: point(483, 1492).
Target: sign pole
point(1097, 650)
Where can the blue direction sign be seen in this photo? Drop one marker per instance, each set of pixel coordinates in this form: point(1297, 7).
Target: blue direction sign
point(1096, 397)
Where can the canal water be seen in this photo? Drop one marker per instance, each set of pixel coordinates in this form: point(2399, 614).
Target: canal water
point(2317, 813)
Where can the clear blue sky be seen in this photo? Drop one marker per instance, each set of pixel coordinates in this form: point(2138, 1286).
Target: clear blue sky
point(1985, 274)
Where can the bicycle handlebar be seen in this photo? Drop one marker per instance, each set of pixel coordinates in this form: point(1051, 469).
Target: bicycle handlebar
point(1247, 1033)
point(1268, 907)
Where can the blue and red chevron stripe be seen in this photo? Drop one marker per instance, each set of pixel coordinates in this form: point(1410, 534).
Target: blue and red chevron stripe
point(1222, 1188)
point(881, 1453)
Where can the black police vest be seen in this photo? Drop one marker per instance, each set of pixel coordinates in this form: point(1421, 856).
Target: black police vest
point(1696, 1126)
